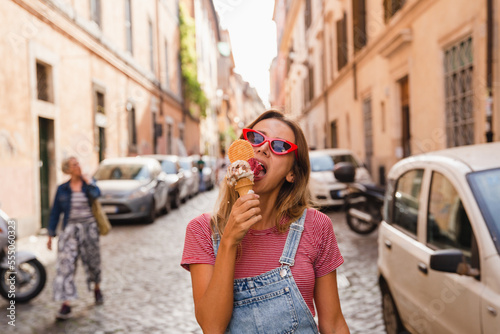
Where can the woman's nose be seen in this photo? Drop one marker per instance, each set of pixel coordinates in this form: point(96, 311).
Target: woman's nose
point(264, 148)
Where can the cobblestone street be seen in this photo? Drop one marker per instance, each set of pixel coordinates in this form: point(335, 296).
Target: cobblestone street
point(146, 291)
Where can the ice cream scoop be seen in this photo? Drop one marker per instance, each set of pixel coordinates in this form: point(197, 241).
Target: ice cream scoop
point(239, 173)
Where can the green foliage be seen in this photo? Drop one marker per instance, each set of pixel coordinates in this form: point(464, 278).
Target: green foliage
point(189, 71)
point(231, 133)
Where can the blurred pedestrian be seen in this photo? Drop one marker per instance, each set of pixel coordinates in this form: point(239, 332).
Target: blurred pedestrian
point(79, 236)
point(200, 164)
point(263, 261)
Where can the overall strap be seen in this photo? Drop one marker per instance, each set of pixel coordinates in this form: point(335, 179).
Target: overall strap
point(216, 242)
point(292, 241)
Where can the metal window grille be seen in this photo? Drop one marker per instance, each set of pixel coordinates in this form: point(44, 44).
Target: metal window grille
point(310, 75)
point(368, 127)
point(391, 7)
point(128, 25)
point(95, 11)
point(132, 132)
point(181, 134)
point(151, 49)
point(342, 42)
point(359, 24)
point(459, 93)
point(169, 138)
point(334, 134)
point(308, 14)
point(100, 103)
point(42, 81)
point(167, 79)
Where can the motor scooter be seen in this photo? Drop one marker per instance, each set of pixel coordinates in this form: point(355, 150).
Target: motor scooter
point(22, 276)
point(363, 203)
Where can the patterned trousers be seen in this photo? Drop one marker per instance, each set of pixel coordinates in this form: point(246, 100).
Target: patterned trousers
point(79, 239)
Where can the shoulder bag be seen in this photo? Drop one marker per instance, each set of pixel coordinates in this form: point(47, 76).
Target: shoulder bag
point(100, 216)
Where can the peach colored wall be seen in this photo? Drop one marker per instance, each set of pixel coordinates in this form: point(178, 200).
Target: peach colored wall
point(79, 64)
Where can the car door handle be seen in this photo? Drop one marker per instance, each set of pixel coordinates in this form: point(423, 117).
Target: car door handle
point(388, 244)
point(422, 267)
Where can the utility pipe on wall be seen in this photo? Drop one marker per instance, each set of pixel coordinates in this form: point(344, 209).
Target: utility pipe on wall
point(489, 71)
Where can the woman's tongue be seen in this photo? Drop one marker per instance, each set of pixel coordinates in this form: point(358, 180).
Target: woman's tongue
point(258, 170)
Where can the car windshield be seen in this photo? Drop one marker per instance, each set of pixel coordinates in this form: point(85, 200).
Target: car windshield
point(122, 172)
point(168, 167)
point(345, 158)
point(321, 163)
point(486, 188)
point(209, 162)
point(185, 164)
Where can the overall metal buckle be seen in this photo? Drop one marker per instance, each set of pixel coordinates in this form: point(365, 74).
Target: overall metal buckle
point(283, 270)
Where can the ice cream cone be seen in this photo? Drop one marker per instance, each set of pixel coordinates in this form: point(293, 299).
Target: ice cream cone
point(243, 186)
point(240, 150)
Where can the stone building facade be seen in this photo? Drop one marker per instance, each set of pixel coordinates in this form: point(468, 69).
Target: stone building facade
point(88, 78)
point(391, 78)
point(100, 79)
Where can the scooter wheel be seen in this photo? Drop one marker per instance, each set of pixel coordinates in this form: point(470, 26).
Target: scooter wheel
point(357, 225)
point(24, 285)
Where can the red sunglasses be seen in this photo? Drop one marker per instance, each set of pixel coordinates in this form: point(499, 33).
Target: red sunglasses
point(278, 146)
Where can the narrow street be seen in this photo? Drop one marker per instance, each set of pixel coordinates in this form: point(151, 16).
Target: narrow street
point(146, 291)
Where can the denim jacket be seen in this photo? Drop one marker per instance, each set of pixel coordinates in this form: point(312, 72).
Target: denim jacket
point(62, 203)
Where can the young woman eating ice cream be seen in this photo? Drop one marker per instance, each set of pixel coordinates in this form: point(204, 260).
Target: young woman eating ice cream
point(263, 261)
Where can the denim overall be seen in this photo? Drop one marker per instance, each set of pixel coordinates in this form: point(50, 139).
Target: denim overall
point(271, 302)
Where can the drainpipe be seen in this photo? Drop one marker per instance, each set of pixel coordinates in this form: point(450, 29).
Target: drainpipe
point(489, 71)
point(325, 85)
point(160, 118)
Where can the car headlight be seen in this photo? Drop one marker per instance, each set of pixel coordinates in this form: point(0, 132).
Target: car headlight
point(141, 192)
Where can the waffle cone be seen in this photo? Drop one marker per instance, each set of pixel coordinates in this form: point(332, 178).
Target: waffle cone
point(240, 150)
point(243, 186)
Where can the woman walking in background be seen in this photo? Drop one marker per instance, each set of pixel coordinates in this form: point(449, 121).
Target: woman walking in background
point(262, 262)
point(79, 236)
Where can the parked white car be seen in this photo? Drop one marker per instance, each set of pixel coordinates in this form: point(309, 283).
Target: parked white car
point(324, 188)
point(439, 244)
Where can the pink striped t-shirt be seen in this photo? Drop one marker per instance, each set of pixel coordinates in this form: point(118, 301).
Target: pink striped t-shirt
point(317, 255)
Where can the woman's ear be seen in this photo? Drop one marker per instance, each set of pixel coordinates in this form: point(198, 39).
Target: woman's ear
point(290, 177)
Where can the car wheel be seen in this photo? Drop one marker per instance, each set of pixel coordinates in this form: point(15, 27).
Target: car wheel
point(152, 213)
point(392, 321)
point(168, 205)
point(177, 200)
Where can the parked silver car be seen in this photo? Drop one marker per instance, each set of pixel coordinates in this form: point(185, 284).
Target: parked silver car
point(174, 178)
point(192, 176)
point(131, 188)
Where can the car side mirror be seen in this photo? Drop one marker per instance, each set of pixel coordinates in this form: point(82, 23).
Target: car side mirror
point(452, 261)
point(344, 172)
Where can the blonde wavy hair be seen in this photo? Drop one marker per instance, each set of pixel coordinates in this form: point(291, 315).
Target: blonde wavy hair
point(65, 164)
point(292, 199)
